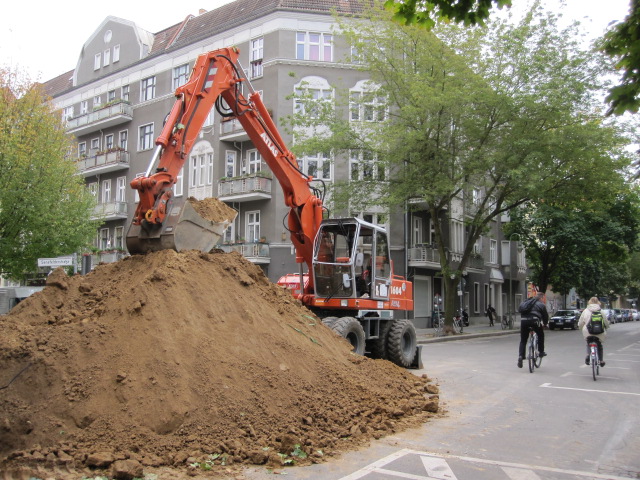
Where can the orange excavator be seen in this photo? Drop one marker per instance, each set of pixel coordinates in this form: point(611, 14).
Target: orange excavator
point(348, 282)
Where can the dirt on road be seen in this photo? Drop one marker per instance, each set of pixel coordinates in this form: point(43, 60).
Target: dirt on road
point(189, 363)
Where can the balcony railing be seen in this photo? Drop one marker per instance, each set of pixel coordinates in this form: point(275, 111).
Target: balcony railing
point(104, 162)
point(256, 252)
point(110, 211)
point(113, 114)
point(244, 189)
point(106, 257)
point(424, 254)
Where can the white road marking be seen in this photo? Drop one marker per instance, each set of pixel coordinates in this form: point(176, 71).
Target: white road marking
point(526, 471)
point(520, 474)
point(437, 468)
point(548, 385)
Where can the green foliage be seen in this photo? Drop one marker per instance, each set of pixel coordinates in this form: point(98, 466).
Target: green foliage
point(426, 12)
point(44, 206)
point(621, 44)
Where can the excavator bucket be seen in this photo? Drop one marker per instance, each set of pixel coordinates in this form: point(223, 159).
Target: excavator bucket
point(192, 225)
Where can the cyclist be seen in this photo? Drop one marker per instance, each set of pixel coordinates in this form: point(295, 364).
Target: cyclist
point(593, 305)
point(532, 312)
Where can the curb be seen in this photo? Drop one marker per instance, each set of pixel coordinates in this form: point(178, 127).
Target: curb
point(465, 336)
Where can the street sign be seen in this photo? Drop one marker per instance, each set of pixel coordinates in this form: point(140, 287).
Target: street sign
point(55, 262)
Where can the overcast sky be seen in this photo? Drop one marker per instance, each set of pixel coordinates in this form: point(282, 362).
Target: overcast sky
point(44, 38)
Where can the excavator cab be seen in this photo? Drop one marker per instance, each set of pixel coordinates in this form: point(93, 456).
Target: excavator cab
point(351, 260)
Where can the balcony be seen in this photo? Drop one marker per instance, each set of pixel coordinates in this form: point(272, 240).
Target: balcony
point(424, 256)
point(233, 131)
point(108, 116)
point(106, 256)
point(104, 162)
point(245, 189)
point(476, 261)
point(110, 211)
point(254, 252)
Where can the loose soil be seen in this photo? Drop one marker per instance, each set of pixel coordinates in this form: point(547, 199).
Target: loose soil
point(213, 209)
point(168, 363)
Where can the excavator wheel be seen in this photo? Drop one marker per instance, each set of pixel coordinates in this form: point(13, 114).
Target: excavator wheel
point(329, 321)
point(350, 329)
point(402, 343)
point(377, 347)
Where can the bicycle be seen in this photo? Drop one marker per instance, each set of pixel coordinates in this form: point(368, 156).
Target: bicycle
point(458, 325)
point(506, 323)
point(594, 358)
point(438, 323)
point(535, 360)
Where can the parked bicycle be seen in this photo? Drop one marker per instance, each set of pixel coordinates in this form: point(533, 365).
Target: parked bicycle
point(438, 322)
point(594, 358)
point(534, 358)
point(458, 324)
point(507, 322)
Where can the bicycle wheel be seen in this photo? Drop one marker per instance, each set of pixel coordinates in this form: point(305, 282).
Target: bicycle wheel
point(504, 324)
point(538, 358)
point(594, 365)
point(531, 357)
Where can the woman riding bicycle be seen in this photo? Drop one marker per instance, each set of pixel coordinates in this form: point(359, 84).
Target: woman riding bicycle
point(593, 305)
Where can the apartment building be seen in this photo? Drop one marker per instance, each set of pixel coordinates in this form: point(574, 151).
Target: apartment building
point(115, 100)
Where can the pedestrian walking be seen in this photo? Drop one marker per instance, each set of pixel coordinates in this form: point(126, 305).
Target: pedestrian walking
point(491, 313)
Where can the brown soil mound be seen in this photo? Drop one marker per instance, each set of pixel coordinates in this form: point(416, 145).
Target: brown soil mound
point(170, 359)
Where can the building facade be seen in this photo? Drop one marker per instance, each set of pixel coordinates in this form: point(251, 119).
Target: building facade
point(115, 100)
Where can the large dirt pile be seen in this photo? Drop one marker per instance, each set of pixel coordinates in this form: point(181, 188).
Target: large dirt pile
point(169, 359)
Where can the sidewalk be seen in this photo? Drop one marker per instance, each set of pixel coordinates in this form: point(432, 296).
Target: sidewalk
point(427, 335)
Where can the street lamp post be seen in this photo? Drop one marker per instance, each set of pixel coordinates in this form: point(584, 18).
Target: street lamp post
point(511, 302)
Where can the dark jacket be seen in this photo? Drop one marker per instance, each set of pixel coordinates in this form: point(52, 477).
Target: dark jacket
point(538, 310)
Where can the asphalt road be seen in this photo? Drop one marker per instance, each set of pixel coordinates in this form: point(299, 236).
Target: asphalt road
point(504, 423)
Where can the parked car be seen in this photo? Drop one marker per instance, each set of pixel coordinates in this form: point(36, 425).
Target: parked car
point(608, 314)
point(634, 315)
point(625, 314)
point(565, 319)
point(617, 315)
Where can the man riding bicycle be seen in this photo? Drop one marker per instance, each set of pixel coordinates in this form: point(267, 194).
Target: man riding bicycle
point(532, 312)
point(593, 306)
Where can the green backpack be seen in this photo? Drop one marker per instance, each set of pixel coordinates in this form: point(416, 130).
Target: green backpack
point(596, 324)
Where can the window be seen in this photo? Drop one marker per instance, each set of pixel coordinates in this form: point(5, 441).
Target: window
point(253, 226)
point(108, 142)
point(254, 161)
point(476, 196)
point(230, 163)
point(124, 93)
point(84, 107)
point(364, 165)
point(97, 101)
point(178, 188)
point(311, 95)
point(180, 75)
point(106, 57)
point(95, 146)
point(116, 53)
point(493, 251)
point(314, 46)
point(256, 57)
point(106, 191)
point(367, 106)
point(96, 61)
point(121, 189)
point(476, 297)
point(145, 140)
point(82, 150)
point(477, 247)
point(67, 113)
point(148, 89)
point(416, 231)
point(318, 166)
point(457, 236)
point(123, 139)
point(111, 95)
point(93, 189)
point(119, 237)
point(201, 170)
point(105, 242)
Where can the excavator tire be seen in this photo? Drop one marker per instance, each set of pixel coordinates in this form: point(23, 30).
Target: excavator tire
point(350, 329)
point(329, 321)
point(377, 347)
point(402, 343)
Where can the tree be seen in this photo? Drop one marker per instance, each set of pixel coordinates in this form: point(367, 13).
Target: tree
point(621, 44)
point(44, 206)
point(509, 111)
point(427, 12)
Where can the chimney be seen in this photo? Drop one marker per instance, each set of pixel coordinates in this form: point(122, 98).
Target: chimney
point(201, 11)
